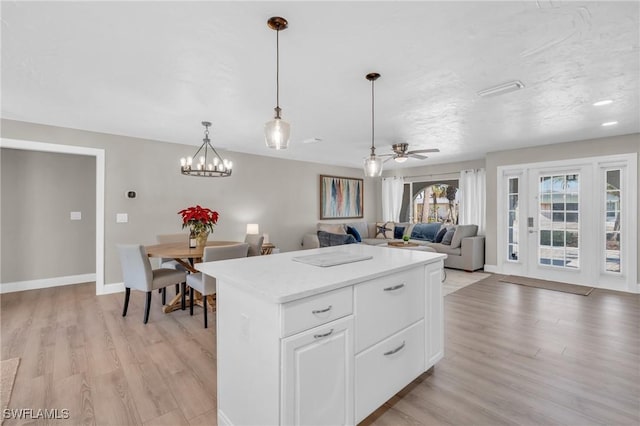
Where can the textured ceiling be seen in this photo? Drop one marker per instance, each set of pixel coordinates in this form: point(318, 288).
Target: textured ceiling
point(157, 69)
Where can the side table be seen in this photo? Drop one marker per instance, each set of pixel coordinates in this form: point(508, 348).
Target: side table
point(267, 248)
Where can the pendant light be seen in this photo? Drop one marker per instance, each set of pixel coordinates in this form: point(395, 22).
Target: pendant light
point(372, 164)
point(277, 131)
point(209, 164)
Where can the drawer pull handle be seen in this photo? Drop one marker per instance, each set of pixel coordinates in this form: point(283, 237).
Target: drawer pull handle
point(319, 336)
point(320, 311)
point(393, 351)
point(395, 287)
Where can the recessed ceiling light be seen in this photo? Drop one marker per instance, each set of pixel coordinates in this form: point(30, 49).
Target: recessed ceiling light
point(602, 103)
point(312, 140)
point(501, 89)
point(609, 123)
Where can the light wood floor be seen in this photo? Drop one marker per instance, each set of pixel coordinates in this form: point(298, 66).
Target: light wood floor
point(514, 355)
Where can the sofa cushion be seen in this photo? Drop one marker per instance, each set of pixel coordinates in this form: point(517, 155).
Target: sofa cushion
point(361, 227)
point(353, 231)
point(463, 231)
point(384, 230)
point(448, 236)
point(425, 231)
point(332, 228)
point(443, 248)
point(398, 232)
point(328, 239)
point(440, 235)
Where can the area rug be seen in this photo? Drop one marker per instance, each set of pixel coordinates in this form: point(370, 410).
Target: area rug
point(459, 279)
point(548, 285)
point(8, 371)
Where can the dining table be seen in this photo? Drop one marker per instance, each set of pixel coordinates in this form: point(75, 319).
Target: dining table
point(187, 257)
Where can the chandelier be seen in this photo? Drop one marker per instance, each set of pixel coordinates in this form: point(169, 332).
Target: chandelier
point(209, 163)
point(373, 163)
point(277, 131)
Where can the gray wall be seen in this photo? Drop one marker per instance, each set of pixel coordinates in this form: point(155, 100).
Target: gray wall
point(280, 195)
point(39, 190)
point(580, 149)
point(436, 169)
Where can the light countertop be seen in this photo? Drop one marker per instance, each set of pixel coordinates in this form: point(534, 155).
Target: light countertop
point(279, 279)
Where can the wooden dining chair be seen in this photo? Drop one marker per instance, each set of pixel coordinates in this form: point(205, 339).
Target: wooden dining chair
point(255, 244)
point(138, 275)
point(205, 284)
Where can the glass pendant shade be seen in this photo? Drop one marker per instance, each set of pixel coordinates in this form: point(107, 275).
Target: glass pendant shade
point(373, 166)
point(277, 133)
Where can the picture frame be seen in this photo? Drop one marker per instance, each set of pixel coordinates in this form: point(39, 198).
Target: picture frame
point(341, 197)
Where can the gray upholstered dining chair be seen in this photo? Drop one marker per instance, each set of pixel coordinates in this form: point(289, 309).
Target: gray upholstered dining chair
point(167, 262)
point(255, 244)
point(205, 284)
point(138, 275)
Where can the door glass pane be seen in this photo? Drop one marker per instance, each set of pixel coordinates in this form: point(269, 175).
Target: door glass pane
point(513, 214)
point(613, 197)
point(558, 221)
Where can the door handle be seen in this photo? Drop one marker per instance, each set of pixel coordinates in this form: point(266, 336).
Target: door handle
point(533, 231)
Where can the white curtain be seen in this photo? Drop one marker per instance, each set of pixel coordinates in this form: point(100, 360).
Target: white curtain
point(473, 195)
point(392, 188)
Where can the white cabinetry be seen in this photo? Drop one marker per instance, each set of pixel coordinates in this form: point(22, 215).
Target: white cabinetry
point(317, 375)
point(323, 346)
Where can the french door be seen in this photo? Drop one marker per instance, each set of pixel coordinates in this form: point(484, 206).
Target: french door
point(557, 224)
point(571, 221)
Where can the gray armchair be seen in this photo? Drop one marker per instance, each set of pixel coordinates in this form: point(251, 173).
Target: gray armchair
point(205, 284)
point(138, 275)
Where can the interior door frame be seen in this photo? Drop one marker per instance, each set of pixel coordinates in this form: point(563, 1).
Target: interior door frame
point(627, 280)
point(99, 155)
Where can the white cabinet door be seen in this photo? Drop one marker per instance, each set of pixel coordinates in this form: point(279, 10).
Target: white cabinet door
point(318, 375)
point(434, 315)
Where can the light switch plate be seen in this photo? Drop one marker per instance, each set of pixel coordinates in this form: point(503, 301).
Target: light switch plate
point(122, 218)
point(75, 216)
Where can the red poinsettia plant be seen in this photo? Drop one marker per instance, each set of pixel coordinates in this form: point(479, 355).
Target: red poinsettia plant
point(199, 218)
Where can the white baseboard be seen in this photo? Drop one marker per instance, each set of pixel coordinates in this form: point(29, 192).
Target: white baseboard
point(491, 268)
point(112, 288)
point(46, 283)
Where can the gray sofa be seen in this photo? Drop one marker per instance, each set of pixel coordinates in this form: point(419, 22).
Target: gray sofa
point(466, 250)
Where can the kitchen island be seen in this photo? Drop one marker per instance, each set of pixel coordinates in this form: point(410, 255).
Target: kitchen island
point(304, 344)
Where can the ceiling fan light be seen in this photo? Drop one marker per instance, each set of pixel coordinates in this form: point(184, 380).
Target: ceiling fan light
point(401, 159)
point(277, 133)
point(373, 166)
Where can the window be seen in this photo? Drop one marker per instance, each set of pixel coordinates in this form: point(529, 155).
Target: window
point(436, 202)
point(513, 213)
point(612, 221)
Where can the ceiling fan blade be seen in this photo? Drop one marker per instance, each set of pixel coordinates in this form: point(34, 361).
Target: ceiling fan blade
point(386, 155)
point(419, 157)
point(390, 158)
point(421, 151)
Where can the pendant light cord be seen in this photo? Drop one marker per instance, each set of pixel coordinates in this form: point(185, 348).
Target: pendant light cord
point(372, 118)
point(278, 70)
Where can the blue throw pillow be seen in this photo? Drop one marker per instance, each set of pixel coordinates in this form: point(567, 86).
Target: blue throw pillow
point(328, 239)
point(353, 231)
point(440, 235)
point(446, 240)
point(425, 231)
point(398, 232)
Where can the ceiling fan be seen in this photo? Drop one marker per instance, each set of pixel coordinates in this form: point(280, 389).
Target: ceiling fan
point(400, 153)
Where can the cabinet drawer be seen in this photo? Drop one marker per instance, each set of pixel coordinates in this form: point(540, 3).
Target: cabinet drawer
point(316, 310)
point(384, 369)
point(385, 305)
